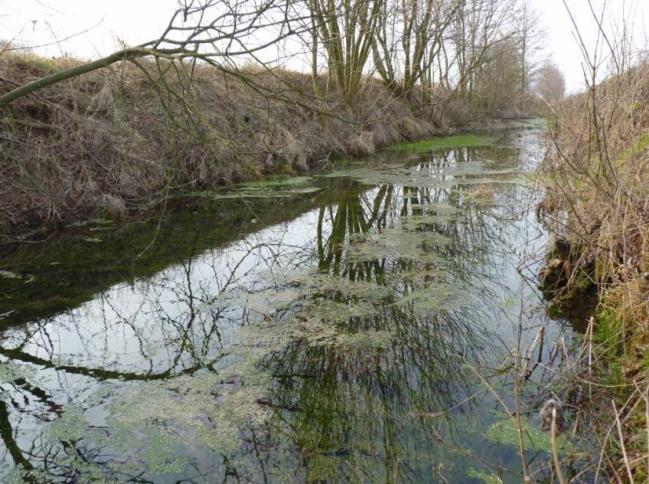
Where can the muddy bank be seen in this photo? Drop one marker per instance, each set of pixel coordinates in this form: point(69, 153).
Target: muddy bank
point(572, 294)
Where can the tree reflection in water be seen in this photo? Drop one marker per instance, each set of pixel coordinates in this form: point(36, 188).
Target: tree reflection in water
point(328, 347)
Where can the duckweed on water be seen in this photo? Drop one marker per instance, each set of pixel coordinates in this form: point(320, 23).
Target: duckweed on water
point(443, 176)
point(270, 300)
point(209, 410)
point(272, 188)
point(446, 142)
point(151, 422)
point(159, 424)
point(337, 312)
point(435, 298)
point(370, 291)
point(397, 244)
point(442, 214)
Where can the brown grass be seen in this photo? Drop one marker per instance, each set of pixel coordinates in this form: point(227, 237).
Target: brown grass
point(598, 206)
point(115, 141)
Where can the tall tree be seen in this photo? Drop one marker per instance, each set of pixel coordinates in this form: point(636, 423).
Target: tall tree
point(346, 29)
point(409, 37)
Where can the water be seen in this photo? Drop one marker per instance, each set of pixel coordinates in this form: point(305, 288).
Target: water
point(332, 334)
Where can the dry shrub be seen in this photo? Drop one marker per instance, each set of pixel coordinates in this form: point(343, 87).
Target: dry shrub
point(598, 206)
point(598, 195)
point(112, 141)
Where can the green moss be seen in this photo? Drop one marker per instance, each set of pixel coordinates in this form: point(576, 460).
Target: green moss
point(583, 282)
point(609, 335)
point(457, 141)
point(554, 311)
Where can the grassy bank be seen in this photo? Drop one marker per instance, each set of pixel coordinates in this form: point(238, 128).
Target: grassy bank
point(598, 207)
point(116, 141)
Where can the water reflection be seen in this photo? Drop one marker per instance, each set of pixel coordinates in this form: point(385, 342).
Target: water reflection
point(328, 347)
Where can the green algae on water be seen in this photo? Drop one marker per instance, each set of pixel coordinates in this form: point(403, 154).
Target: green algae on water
point(446, 142)
point(448, 176)
point(271, 188)
point(435, 298)
point(398, 244)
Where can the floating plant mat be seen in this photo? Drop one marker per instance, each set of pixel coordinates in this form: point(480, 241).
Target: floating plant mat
point(400, 244)
point(272, 188)
point(270, 300)
point(442, 176)
point(318, 307)
point(435, 214)
point(446, 142)
point(435, 298)
point(161, 424)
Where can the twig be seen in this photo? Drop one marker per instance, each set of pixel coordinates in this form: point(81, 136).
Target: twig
point(555, 451)
point(624, 454)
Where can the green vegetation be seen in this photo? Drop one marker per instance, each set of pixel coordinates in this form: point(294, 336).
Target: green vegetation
point(485, 477)
point(446, 142)
point(505, 432)
point(637, 148)
point(270, 188)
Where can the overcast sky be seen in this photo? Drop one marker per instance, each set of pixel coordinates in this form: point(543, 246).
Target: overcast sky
point(100, 24)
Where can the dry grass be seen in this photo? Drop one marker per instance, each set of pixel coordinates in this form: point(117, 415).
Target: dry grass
point(116, 141)
point(598, 206)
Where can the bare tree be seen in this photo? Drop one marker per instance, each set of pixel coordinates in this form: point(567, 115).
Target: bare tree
point(346, 29)
point(476, 27)
point(529, 35)
point(221, 33)
point(409, 38)
point(550, 83)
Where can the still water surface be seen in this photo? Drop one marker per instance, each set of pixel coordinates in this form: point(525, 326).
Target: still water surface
point(331, 334)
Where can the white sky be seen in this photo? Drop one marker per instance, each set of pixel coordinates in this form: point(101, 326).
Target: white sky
point(38, 22)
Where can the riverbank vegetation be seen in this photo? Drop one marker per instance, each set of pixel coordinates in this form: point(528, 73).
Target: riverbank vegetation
point(597, 204)
point(211, 101)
